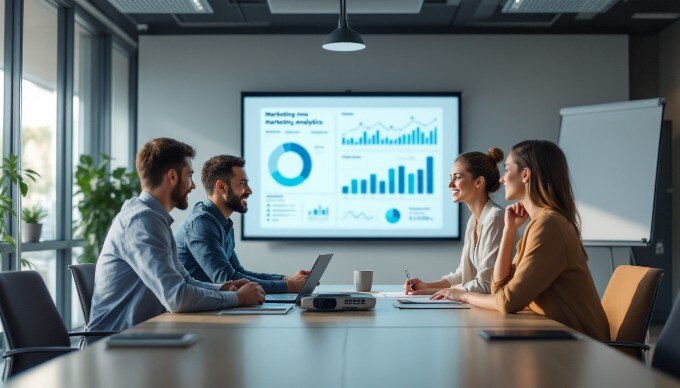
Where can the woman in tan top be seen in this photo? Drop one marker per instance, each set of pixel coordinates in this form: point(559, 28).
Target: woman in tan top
point(474, 176)
point(549, 274)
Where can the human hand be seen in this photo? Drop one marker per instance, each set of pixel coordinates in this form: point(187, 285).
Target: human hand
point(515, 216)
point(228, 286)
point(296, 281)
point(452, 293)
point(415, 284)
point(240, 283)
point(424, 291)
point(302, 271)
point(249, 294)
point(233, 285)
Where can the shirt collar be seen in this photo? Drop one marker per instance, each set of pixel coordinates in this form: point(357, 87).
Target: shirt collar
point(217, 213)
point(486, 212)
point(155, 205)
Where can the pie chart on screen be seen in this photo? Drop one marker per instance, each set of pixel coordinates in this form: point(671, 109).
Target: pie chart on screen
point(280, 151)
point(392, 216)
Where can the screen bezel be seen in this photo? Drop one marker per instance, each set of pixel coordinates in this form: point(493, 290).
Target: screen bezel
point(244, 95)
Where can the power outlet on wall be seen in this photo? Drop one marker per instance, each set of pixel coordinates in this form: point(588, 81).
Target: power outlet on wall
point(659, 248)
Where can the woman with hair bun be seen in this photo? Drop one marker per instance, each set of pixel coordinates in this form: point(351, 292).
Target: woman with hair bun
point(474, 176)
point(549, 274)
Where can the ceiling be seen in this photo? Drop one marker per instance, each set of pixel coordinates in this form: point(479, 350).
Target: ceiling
point(435, 16)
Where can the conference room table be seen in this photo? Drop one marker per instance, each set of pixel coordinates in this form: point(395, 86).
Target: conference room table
point(384, 347)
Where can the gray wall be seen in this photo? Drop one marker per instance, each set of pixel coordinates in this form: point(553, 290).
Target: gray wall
point(669, 85)
point(513, 87)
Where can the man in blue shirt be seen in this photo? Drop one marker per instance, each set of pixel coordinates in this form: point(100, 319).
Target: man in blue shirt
point(205, 240)
point(138, 274)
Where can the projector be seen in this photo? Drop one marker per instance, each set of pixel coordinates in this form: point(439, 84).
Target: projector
point(338, 302)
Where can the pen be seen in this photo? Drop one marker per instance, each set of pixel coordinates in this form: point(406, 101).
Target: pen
point(408, 278)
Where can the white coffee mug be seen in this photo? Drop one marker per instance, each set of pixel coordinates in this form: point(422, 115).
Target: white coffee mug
point(363, 281)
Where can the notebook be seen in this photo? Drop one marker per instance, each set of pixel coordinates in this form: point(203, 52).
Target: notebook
point(151, 340)
point(427, 306)
point(426, 301)
point(264, 309)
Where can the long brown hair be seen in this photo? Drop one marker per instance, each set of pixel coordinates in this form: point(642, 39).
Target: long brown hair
point(550, 183)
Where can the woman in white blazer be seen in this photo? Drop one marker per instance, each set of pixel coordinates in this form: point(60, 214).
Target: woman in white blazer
point(474, 176)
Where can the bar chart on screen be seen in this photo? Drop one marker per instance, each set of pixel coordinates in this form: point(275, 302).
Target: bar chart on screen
point(414, 132)
point(396, 180)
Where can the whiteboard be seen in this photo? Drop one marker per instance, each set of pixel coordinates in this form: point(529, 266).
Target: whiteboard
point(612, 151)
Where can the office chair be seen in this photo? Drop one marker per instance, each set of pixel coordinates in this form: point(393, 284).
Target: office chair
point(32, 325)
point(83, 278)
point(667, 351)
point(628, 302)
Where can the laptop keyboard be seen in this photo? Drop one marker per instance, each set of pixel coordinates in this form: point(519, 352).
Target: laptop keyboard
point(290, 297)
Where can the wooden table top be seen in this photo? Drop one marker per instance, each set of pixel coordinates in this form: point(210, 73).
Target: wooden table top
point(386, 347)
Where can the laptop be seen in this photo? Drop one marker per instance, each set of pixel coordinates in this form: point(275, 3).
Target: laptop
point(307, 288)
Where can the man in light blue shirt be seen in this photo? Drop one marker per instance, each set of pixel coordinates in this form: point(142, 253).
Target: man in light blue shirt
point(138, 274)
point(205, 240)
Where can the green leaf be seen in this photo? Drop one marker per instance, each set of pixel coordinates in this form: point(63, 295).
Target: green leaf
point(100, 194)
point(24, 188)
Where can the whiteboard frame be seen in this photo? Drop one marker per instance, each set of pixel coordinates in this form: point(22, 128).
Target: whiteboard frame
point(624, 105)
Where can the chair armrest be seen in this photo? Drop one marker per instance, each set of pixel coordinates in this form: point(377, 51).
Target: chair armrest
point(91, 333)
point(627, 344)
point(38, 349)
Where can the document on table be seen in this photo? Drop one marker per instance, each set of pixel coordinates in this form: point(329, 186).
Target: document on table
point(426, 301)
point(427, 306)
point(400, 294)
point(265, 309)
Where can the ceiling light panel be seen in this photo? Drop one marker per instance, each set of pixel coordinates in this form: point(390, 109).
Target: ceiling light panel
point(353, 6)
point(557, 6)
point(656, 16)
point(162, 6)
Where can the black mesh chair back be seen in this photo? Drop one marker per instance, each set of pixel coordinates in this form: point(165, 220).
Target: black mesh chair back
point(83, 277)
point(667, 351)
point(30, 319)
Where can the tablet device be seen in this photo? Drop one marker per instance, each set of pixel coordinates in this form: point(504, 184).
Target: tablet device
point(524, 334)
point(151, 339)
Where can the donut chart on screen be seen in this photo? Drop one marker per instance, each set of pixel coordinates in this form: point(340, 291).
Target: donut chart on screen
point(274, 161)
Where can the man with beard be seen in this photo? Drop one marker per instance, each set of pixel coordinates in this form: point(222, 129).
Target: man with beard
point(205, 240)
point(138, 274)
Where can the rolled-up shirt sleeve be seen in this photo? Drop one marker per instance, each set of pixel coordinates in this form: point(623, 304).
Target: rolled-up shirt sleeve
point(543, 260)
point(455, 277)
point(148, 244)
point(497, 285)
point(204, 241)
point(236, 263)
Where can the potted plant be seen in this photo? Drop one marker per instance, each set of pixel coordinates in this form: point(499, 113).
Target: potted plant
point(31, 223)
point(11, 173)
point(103, 194)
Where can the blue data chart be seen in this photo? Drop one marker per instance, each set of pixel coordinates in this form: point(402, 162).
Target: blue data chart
point(318, 211)
point(398, 181)
point(392, 216)
point(350, 165)
point(413, 133)
point(274, 164)
point(357, 216)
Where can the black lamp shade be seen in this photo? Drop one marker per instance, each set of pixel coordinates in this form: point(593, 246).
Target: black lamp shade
point(343, 39)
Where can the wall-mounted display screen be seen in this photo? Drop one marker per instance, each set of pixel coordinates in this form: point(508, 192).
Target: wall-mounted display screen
point(351, 165)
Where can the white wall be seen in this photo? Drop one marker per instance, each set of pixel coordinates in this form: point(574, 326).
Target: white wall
point(513, 87)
